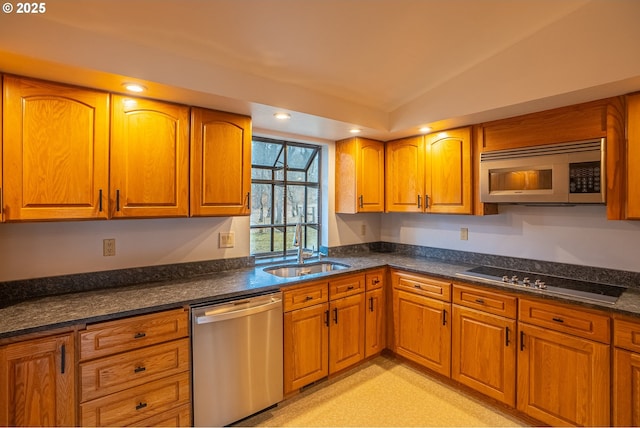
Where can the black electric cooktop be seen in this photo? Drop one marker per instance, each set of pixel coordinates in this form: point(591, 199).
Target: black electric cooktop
point(604, 293)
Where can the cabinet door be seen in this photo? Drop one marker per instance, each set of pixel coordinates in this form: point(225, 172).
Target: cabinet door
point(484, 353)
point(346, 333)
point(448, 178)
point(633, 156)
point(220, 163)
point(37, 385)
point(56, 151)
point(626, 388)
point(306, 346)
point(359, 176)
point(375, 322)
point(404, 176)
point(563, 379)
point(422, 331)
point(149, 158)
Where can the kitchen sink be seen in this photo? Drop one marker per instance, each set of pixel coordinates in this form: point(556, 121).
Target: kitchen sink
point(296, 270)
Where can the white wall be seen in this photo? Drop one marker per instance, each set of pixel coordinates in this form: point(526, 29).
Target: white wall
point(577, 235)
point(32, 250)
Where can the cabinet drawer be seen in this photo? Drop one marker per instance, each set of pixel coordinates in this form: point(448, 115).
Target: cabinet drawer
point(136, 404)
point(305, 296)
point(577, 321)
point(486, 300)
point(107, 338)
point(118, 372)
point(423, 285)
point(374, 279)
point(347, 286)
point(179, 417)
point(626, 334)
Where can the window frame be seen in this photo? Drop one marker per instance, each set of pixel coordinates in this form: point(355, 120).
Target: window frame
point(285, 226)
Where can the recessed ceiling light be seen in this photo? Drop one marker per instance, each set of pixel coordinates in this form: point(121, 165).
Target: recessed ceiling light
point(134, 87)
point(282, 116)
point(425, 129)
point(355, 131)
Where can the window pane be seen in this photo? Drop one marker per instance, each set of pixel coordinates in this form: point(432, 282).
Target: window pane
point(261, 240)
point(313, 175)
point(312, 238)
point(291, 233)
point(295, 203)
point(296, 175)
point(265, 153)
point(261, 174)
point(312, 205)
point(298, 157)
point(278, 209)
point(260, 204)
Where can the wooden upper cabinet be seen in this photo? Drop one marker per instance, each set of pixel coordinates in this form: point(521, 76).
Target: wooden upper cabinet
point(633, 157)
point(149, 158)
point(404, 175)
point(56, 151)
point(220, 163)
point(448, 178)
point(359, 176)
point(560, 125)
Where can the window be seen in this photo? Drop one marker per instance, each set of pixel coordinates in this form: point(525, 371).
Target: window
point(285, 189)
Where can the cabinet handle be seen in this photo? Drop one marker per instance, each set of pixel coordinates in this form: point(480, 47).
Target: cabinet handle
point(480, 301)
point(507, 336)
point(522, 340)
point(375, 281)
point(335, 315)
point(63, 358)
point(419, 201)
point(100, 201)
point(248, 200)
point(139, 335)
point(444, 317)
point(426, 201)
point(558, 319)
point(361, 201)
point(117, 199)
point(139, 369)
point(370, 304)
point(141, 405)
point(1, 202)
point(326, 318)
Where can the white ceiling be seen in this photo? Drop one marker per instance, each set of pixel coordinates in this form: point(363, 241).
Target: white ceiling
point(385, 66)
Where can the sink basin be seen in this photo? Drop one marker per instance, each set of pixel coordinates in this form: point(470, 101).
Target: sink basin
point(292, 271)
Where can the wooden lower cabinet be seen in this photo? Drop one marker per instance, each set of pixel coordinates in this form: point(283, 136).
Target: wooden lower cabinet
point(37, 382)
point(626, 388)
point(136, 371)
point(484, 353)
point(563, 380)
point(375, 322)
point(422, 330)
point(306, 346)
point(346, 333)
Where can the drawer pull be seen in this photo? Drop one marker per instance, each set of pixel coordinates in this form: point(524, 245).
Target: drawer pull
point(417, 286)
point(480, 301)
point(139, 335)
point(308, 298)
point(375, 281)
point(351, 287)
point(141, 405)
point(139, 369)
point(558, 319)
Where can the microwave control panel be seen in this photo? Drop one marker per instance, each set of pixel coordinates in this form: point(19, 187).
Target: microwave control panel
point(584, 177)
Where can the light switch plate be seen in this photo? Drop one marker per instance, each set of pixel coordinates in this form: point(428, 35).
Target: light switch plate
point(464, 233)
point(227, 240)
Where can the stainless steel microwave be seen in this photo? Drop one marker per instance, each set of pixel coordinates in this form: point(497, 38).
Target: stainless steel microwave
point(567, 173)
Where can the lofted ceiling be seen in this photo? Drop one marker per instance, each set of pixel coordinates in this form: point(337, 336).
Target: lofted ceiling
point(387, 67)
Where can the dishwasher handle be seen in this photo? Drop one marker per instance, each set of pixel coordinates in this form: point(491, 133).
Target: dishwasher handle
point(206, 319)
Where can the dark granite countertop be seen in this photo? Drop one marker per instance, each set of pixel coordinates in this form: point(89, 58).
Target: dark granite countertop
point(86, 307)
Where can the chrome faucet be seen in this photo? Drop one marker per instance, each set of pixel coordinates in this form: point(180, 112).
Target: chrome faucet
point(297, 242)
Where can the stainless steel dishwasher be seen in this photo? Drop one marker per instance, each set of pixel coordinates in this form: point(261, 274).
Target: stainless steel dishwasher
point(237, 359)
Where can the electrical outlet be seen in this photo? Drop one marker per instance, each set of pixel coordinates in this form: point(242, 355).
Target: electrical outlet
point(227, 240)
point(464, 233)
point(363, 229)
point(108, 247)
